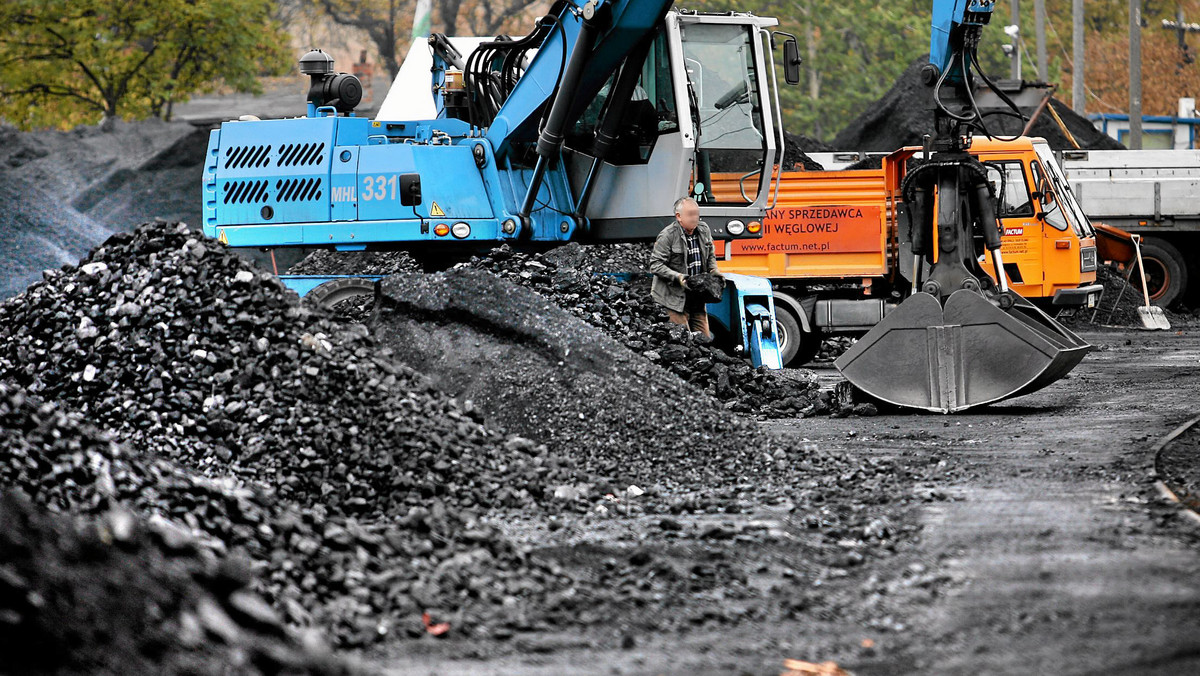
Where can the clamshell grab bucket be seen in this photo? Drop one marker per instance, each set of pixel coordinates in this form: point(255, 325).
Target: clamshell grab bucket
point(968, 353)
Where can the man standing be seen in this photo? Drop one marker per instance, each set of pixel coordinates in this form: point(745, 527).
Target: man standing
point(683, 248)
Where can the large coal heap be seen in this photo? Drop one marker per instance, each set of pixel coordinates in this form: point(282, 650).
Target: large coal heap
point(905, 114)
point(621, 306)
point(102, 590)
point(62, 193)
point(796, 149)
point(537, 370)
point(330, 489)
point(329, 462)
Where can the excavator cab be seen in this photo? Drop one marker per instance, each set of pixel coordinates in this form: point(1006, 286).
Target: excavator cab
point(704, 101)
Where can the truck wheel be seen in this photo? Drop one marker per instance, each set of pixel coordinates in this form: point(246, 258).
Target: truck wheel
point(337, 290)
point(796, 346)
point(1166, 272)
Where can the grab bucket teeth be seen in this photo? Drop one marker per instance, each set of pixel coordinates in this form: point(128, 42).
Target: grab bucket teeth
point(968, 353)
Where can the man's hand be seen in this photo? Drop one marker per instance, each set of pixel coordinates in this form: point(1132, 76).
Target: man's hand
point(683, 281)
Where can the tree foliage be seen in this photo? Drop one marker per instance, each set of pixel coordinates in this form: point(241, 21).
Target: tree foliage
point(1170, 70)
point(855, 49)
point(65, 62)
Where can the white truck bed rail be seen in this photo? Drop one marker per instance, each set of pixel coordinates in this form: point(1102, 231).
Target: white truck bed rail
point(1130, 188)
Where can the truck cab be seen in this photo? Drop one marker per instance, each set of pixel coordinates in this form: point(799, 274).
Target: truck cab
point(1049, 245)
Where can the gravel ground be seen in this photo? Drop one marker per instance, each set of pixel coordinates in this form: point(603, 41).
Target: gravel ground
point(1179, 467)
point(1041, 547)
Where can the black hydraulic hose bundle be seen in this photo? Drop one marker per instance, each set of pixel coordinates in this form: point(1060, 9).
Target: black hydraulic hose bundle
point(968, 57)
point(494, 69)
point(610, 118)
point(917, 189)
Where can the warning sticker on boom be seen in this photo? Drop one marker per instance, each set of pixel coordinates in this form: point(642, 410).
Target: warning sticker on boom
point(435, 210)
point(818, 229)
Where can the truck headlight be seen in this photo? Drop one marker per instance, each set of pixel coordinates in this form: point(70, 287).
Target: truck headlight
point(460, 230)
point(735, 228)
point(1087, 259)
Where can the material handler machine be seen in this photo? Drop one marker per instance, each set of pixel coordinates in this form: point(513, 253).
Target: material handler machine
point(587, 129)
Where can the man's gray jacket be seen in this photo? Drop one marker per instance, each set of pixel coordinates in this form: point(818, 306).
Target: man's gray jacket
point(669, 261)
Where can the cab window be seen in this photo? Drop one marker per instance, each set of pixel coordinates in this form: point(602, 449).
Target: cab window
point(1050, 207)
point(724, 90)
point(1016, 198)
point(650, 113)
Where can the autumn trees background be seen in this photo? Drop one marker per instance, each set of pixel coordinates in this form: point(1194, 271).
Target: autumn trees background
point(65, 62)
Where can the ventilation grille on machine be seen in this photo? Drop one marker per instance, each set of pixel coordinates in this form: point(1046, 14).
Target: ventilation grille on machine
point(289, 190)
point(300, 154)
point(238, 157)
point(290, 155)
point(298, 189)
point(239, 192)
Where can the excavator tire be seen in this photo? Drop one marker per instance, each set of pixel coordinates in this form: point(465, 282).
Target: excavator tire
point(337, 290)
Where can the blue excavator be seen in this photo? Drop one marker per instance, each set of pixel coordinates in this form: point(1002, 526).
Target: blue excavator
point(587, 129)
point(958, 340)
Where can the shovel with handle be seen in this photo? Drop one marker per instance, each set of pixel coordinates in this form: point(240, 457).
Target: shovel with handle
point(1152, 316)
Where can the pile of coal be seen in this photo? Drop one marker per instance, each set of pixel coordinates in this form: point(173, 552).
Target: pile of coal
point(354, 485)
point(536, 370)
point(601, 258)
point(796, 149)
point(1118, 304)
point(329, 262)
point(88, 586)
point(620, 305)
point(905, 114)
point(64, 192)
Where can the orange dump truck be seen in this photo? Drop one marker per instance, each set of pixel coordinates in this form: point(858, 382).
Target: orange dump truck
point(835, 245)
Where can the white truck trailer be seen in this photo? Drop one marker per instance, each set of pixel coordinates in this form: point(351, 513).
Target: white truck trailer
point(1155, 193)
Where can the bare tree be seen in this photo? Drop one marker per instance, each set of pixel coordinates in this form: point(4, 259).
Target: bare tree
point(384, 21)
point(388, 23)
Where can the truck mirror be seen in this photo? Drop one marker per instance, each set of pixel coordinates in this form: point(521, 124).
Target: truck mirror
point(791, 61)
